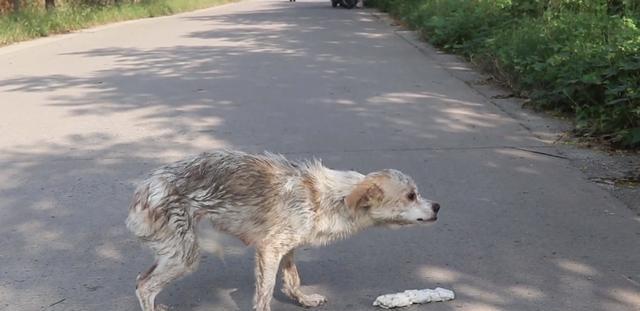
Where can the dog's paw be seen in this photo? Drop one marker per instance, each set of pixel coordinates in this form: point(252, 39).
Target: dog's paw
point(161, 308)
point(312, 300)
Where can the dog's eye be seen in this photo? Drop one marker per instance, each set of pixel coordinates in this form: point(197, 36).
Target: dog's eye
point(411, 196)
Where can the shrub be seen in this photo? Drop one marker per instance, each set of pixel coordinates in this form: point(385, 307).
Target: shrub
point(566, 55)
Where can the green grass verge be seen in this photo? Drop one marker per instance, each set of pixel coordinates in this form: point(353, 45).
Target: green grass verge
point(34, 23)
point(569, 56)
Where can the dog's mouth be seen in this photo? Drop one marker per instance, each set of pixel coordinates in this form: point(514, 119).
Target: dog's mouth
point(428, 220)
point(395, 223)
point(407, 223)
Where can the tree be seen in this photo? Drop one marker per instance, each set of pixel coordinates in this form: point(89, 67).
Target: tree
point(615, 7)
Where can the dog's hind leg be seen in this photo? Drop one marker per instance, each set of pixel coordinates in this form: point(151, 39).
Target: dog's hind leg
point(291, 284)
point(177, 253)
point(168, 267)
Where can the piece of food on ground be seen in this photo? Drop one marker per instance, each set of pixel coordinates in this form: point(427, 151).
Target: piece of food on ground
point(412, 296)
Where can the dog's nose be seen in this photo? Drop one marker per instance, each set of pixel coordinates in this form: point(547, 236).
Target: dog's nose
point(435, 207)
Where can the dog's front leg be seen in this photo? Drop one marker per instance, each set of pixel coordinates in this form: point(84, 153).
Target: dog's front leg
point(267, 263)
point(291, 284)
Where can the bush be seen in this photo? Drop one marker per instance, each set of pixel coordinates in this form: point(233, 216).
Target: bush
point(566, 55)
point(577, 62)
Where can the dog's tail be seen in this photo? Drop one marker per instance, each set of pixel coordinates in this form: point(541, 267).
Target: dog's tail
point(157, 211)
point(140, 219)
point(162, 218)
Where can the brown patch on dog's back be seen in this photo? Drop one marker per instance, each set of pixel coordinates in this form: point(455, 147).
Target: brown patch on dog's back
point(310, 184)
point(253, 175)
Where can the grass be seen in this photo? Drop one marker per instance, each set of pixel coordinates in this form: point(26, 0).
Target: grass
point(567, 56)
point(33, 23)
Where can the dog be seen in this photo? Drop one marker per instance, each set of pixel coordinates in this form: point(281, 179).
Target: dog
point(268, 202)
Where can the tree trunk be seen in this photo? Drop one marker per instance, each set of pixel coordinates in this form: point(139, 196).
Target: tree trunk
point(615, 7)
point(15, 5)
point(49, 4)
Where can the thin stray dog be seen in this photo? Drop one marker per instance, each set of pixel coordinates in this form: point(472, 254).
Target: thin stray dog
point(268, 202)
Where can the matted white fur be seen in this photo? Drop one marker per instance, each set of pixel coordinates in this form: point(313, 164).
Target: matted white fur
point(413, 296)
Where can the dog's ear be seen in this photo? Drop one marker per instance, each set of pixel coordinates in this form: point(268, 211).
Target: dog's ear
point(364, 195)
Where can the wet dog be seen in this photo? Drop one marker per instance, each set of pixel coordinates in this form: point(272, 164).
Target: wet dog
point(268, 202)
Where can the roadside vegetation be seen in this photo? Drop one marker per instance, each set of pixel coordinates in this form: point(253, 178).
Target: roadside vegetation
point(27, 20)
point(576, 57)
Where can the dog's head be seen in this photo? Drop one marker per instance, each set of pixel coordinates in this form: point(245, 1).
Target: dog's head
point(390, 197)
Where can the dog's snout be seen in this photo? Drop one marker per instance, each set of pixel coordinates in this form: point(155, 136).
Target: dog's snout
point(435, 207)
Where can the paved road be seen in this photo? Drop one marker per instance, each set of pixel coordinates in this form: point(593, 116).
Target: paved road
point(83, 116)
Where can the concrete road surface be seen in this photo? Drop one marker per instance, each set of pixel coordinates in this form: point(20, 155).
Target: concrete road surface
point(83, 116)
